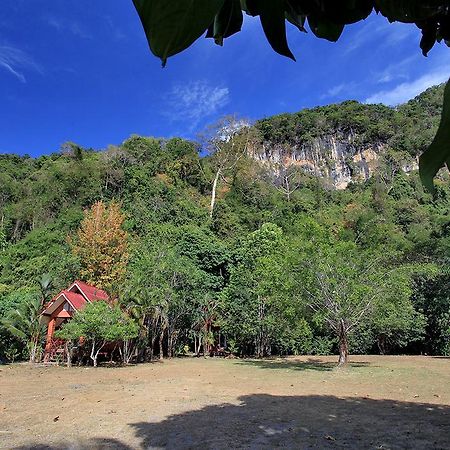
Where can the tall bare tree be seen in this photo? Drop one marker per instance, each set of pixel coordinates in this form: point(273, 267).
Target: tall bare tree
point(227, 142)
point(286, 177)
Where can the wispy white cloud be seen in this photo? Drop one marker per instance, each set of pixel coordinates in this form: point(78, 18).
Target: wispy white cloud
point(77, 30)
point(399, 32)
point(399, 70)
point(62, 25)
point(193, 101)
point(408, 90)
point(114, 30)
point(336, 90)
point(54, 22)
point(16, 62)
point(391, 33)
point(340, 90)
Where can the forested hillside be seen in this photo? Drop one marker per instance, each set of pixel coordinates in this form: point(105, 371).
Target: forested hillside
point(343, 142)
point(254, 238)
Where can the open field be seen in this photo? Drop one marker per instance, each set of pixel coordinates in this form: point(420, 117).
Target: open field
point(378, 402)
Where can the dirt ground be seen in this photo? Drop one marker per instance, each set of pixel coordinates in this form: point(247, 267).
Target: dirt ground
point(302, 403)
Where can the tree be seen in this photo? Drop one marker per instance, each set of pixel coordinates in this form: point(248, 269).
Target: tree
point(172, 26)
point(3, 242)
point(226, 142)
point(396, 323)
point(286, 178)
point(145, 151)
point(249, 307)
point(161, 288)
point(101, 245)
point(432, 298)
point(24, 322)
point(97, 324)
point(45, 287)
point(24, 319)
point(347, 286)
point(72, 150)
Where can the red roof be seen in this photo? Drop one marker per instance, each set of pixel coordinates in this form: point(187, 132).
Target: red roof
point(78, 294)
point(91, 292)
point(77, 300)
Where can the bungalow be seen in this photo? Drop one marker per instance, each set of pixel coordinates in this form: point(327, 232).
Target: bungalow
point(61, 309)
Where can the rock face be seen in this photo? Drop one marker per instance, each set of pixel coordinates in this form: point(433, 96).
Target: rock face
point(337, 158)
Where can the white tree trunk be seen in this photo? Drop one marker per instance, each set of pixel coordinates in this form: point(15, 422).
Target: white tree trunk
point(343, 344)
point(94, 353)
point(214, 191)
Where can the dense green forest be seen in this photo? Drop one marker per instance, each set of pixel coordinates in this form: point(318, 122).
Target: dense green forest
point(266, 255)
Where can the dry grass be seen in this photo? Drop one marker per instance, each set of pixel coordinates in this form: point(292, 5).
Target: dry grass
point(377, 402)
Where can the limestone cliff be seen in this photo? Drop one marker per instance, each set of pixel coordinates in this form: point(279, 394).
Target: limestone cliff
point(350, 141)
point(338, 158)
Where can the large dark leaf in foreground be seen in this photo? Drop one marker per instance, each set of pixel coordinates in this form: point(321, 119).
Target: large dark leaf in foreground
point(273, 21)
point(227, 22)
point(438, 153)
point(172, 26)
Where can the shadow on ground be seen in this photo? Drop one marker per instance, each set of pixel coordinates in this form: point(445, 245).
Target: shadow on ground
point(309, 364)
point(87, 444)
point(298, 422)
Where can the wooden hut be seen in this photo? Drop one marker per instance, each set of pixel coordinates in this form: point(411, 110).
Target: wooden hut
point(61, 309)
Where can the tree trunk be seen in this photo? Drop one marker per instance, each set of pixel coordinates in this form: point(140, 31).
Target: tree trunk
point(152, 346)
point(288, 189)
point(161, 338)
point(69, 350)
point(142, 344)
point(381, 342)
point(127, 351)
point(213, 193)
point(205, 345)
point(169, 344)
point(112, 353)
point(94, 354)
point(343, 344)
point(262, 342)
point(198, 343)
point(172, 339)
point(33, 350)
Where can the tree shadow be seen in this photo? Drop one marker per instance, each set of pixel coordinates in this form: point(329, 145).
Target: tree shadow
point(297, 422)
point(266, 421)
point(85, 444)
point(309, 364)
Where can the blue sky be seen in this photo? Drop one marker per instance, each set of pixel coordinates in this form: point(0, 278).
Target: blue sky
point(80, 70)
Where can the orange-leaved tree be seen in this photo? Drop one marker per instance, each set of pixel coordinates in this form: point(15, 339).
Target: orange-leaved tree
point(101, 244)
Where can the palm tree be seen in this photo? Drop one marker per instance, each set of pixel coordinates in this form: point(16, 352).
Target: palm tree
point(24, 322)
point(45, 285)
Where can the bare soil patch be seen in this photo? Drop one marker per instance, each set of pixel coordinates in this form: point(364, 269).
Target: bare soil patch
point(302, 403)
